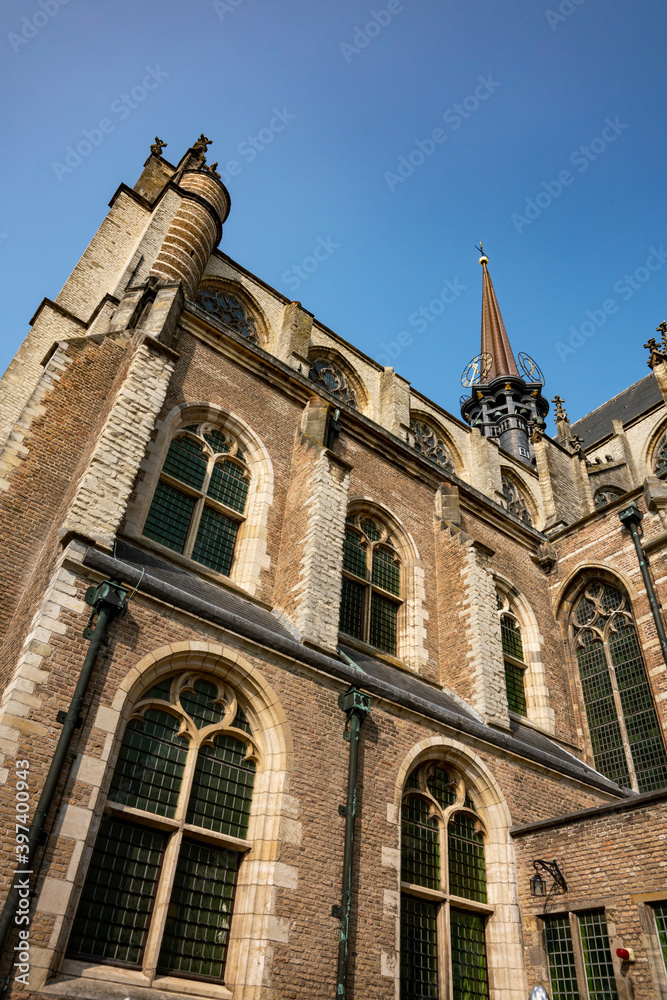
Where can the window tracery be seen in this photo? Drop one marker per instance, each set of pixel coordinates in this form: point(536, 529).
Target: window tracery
point(514, 499)
point(660, 458)
point(607, 494)
point(444, 907)
point(625, 733)
point(329, 376)
point(370, 599)
point(430, 444)
point(199, 502)
point(159, 891)
point(513, 656)
point(227, 308)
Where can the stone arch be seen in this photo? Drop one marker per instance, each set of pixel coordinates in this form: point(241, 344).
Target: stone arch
point(538, 705)
point(446, 438)
point(413, 614)
point(351, 376)
point(651, 447)
point(565, 599)
point(248, 301)
point(504, 937)
point(251, 555)
point(525, 493)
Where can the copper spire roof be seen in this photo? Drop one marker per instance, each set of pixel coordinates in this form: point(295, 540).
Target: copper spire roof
point(494, 336)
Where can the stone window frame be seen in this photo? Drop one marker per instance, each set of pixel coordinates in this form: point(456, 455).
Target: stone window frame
point(412, 615)
point(319, 352)
point(524, 494)
point(456, 462)
point(577, 945)
point(260, 878)
point(504, 935)
point(608, 488)
point(251, 557)
point(657, 963)
point(539, 712)
point(252, 308)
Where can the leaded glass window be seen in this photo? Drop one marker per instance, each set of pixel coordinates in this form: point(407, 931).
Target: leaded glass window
point(443, 946)
point(514, 499)
point(188, 757)
point(199, 503)
point(329, 376)
point(513, 656)
point(626, 737)
point(370, 599)
point(660, 458)
point(605, 495)
point(581, 939)
point(227, 308)
point(426, 440)
point(660, 914)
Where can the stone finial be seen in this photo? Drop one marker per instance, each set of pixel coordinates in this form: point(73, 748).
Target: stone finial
point(662, 330)
point(202, 144)
point(158, 146)
point(658, 352)
point(536, 430)
point(211, 169)
point(560, 408)
point(577, 445)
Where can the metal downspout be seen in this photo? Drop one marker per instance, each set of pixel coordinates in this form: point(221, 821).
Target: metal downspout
point(356, 706)
point(631, 518)
point(109, 601)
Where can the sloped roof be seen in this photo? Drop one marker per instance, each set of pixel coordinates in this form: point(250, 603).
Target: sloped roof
point(627, 405)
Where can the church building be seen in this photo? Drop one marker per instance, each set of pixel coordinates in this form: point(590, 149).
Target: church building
point(309, 688)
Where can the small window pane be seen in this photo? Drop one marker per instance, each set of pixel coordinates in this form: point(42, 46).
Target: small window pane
point(470, 979)
point(222, 788)
point(354, 554)
point(597, 957)
point(420, 844)
point(514, 685)
point(440, 786)
point(150, 764)
point(386, 573)
point(186, 461)
point(383, 623)
point(197, 929)
point(558, 940)
point(228, 485)
point(351, 608)
point(202, 703)
point(419, 950)
point(217, 440)
point(467, 876)
point(169, 517)
point(115, 908)
point(511, 635)
point(214, 545)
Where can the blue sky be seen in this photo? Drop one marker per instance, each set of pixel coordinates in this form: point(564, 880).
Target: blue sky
point(343, 123)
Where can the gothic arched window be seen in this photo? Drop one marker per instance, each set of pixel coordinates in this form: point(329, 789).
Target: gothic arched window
point(443, 889)
point(625, 732)
point(228, 309)
point(514, 499)
point(430, 444)
point(513, 656)
point(660, 458)
point(160, 884)
point(370, 598)
point(605, 495)
point(329, 376)
point(200, 500)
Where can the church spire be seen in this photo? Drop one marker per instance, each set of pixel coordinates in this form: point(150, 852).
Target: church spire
point(495, 341)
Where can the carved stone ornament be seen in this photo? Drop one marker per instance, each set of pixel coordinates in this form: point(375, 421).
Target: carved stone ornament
point(426, 441)
point(546, 556)
point(560, 413)
point(658, 355)
point(158, 146)
point(536, 430)
point(212, 170)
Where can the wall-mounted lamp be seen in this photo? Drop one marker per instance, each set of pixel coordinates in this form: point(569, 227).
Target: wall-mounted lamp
point(538, 885)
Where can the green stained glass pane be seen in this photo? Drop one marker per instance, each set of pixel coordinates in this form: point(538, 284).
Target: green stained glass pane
point(386, 572)
point(514, 685)
point(218, 442)
point(186, 461)
point(585, 611)
point(351, 608)
point(467, 876)
point(169, 517)
point(413, 780)
point(241, 721)
point(511, 636)
point(560, 951)
point(439, 784)
point(660, 913)
point(370, 529)
point(117, 899)
point(201, 703)
point(196, 933)
point(597, 957)
point(354, 554)
point(611, 598)
point(469, 973)
point(228, 485)
point(603, 724)
point(161, 690)
point(150, 764)
point(222, 788)
point(382, 632)
point(214, 545)
point(419, 950)
point(420, 844)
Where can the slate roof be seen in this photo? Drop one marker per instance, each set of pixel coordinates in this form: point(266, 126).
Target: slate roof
point(627, 405)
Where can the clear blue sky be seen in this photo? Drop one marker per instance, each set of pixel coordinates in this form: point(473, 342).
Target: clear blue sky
point(359, 85)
